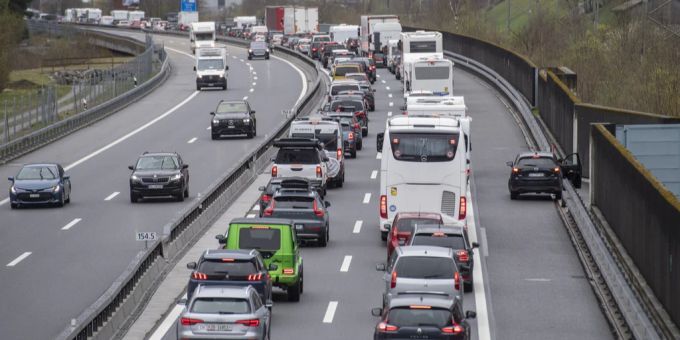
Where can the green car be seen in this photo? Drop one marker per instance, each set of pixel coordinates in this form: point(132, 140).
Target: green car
point(275, 239)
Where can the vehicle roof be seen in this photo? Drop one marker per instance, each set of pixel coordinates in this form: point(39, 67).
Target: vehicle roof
point(203, 291)
point(297, 143)
point(39, 164)
point(161, 153)
point(262, 221)
point(345, 82)
point(421, 299)
point(238, 254)
point(431, 251)
point(537, 153)
point(294, 192)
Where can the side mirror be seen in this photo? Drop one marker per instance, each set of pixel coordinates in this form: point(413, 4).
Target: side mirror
point(373, 90)
point(379, 139)
point(191, 265)
point(269, 304)
point(273, 267)
point(475, 245)
point(326, 159)
point(252, 112)
point(380, 267)
point(509, 163)
point(327, 204)
point(10, 178)
point(131, 167)
point(194, 68)
point(226, 68)
point(67, 177)
point(185, 166)
point(470, 314)
point(403, 108)
point(376, 311)
point(212, 113)
point(221, 239)
point(261, 188)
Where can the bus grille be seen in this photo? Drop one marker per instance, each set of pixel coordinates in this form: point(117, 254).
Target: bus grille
point(448, 203)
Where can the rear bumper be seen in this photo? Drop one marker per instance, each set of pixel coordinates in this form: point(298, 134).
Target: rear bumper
point(538, 186)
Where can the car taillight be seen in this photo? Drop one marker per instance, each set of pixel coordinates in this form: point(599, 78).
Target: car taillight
point(190, 321)
point(351, 136)
point(289, 271)
point(266, 198)
point(372, 67)
point(314, 49)
point(199, 276)
point(393, 282)
point(462, 209)
point(339, 154)
point(255, 277)
point(357, 126)
point(318, 171)
point(456, 280)
point(318, 212)
point(383, 206)
point(463, 255)
point(249, 323)
point(385, 327)
point(270, 209)
point(275, 171)
point(455, 329)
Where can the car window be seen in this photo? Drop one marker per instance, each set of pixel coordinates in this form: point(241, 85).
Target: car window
point(37, 173)
point(342, 105)
point(297, 156)
point(342, 70)
point(294, 202)
point(258, 45)
point(221, 267)
point(232, 107)
point(259, 238)
point(257, 302)
point(157, 163)
point(541, 162)
point(220, 306)
point(439, 240)
point(420, 317)
point(339, 88)
point(407, 224)
point(329, 140)
point(425, 267)
point(421, 147)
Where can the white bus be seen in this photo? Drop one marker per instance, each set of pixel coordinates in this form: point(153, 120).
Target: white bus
point(429, 74)
point(423, 168)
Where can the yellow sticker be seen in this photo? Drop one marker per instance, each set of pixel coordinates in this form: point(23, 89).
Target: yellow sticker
point(393, 191)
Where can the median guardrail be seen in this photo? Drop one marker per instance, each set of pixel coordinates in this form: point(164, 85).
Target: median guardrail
point(112, 313)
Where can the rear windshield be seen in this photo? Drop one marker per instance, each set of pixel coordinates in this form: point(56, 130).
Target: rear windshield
point(432, 73)
point(342, 70)
point(541, 162)
point(330, 141)
point(339, 88)
point(424, 147)
point(439, 240)
point(408, 224)
point(259, 238)
point(407, 317)
point(233, 268)
point(294, 202)
point(220, 306)
point(343, 104)
point(418, 267)
point(297, 156)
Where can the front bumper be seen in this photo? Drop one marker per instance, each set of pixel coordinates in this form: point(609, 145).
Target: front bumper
point(24, 198)
point(231, 129)
point(211, 82)
point(168, 189)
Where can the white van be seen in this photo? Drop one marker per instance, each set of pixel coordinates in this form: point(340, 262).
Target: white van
point(211, 67)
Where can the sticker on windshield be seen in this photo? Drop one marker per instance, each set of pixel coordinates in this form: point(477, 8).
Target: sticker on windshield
point(393, 191)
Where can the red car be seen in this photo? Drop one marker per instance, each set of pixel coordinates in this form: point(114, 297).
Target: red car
point(403, 225)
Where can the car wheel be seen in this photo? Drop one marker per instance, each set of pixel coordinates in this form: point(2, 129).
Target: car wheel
point(514, 195)
point(353, 153)
point(249, 134)
point(255, 130)
point(61, 200)
point(364, 133)
point(323, 241)
point(186, 191)
point(577, 182)
point(250, 58)
point(383, 235)
point(294, 291)
point(215, 136)
point(198, 88)
point(134, 198)
point(558, 195)
point(360, 145)
point(68, 199)
point(180, 197)
point(341, 181)
point(467, 286)
point(13, 205)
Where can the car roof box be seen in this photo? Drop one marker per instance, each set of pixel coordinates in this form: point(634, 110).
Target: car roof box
point(295, 183)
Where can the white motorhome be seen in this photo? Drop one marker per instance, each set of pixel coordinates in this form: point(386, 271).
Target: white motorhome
point(429, 74)
point(119, 14)
point(136, 16)
point(245, 21)
point(202, 34)
point(106, 20)
point(340, 33)
point(211, 67)
point(420, 44)
point(93, 15)
point(423, 168)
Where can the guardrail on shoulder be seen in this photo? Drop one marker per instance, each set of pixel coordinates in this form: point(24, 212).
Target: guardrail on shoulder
point(112, 313)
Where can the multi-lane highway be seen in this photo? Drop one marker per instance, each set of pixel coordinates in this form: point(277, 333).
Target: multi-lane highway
point(56, 262)
point(530, 284)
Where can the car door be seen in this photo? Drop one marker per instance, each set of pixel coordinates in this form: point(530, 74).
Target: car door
point(571, 168)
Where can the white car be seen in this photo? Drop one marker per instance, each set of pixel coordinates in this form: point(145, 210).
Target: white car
point(301, 157)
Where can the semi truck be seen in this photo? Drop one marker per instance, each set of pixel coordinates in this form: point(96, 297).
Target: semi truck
point(372, 37)
point(340, 33)
point(291, 19)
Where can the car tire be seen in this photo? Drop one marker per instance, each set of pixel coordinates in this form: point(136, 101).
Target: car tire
point(383, 235)
point(323, 241)
point(514, 195)
point(186, 191)
point(13, 206)
point(294, 291)
point(180, 197)
point(468, 286)
point(61, 201)
point(353, 153)
point(558, 195)
point(134, 198)
point(341, 181)
point(68, 199)
point(577, 182)
point(360, 145)
point(214, 136)
point(255, 130)
point(364, 133)
point(198, 87)
point(250, 58)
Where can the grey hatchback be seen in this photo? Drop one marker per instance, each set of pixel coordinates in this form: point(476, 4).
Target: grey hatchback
point(216, 312)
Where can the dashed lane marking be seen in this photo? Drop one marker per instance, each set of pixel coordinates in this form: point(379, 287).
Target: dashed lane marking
point(110, 197)
point(345, 264)
point(21, 258)
point(374, 174)
point(357, 226)
point(191, 141)
point(330, 312)
point(367, 197)
point(71, 224)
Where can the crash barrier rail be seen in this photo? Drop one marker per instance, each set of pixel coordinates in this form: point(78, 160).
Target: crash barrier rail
point(646, 222)
point(636, 314)
point(95, 95)
point(112, 313)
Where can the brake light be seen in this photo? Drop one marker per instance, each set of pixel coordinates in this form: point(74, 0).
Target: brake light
point(314, 49)
point(249, 323)
point(383, 206)
point(199, 276)
point(357, 126)
point(456, 279)
point(190, 321)
point(266, 198)
point(351, 136)
point(385, 327)
point(318, 212)
point(255, 277)
point(463, 256)
point(455, 329)
point(227, 260)
point(339, 154)
point(462, 210)
point(275, 171)
point(393, 282)
point(419, 307)
point(270, 209)
point(438, 234)
point(318, 171)
point(288, 271)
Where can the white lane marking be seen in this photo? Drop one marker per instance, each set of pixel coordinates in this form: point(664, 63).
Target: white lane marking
point(374, 174)
point(251, 90)
point(248, 64)
point(110, 197)
point(483, 329)
point(241, 60)
point(367, 197)
point(19, 259)
point(167, 323)
point(245, 98)
point(191, 141)
point(387, 88)
point(345, 263)
point(130, 134)
point(377, 75)
point(357, 226)
point(254, 84)
point(250, 215)
point(389, 114)
point(378, 155)
point(302, 78)
point(4, 201)
point(71, 224)
point(484, 244)
point(234, 57)
point(254, 78)
point(538, 279)
point(208, 128)
point(256, 72)
point(389, 95)
point(330, 312)
point(383, 81)
point(256, 207)
point(180, 52)
point(391, 104)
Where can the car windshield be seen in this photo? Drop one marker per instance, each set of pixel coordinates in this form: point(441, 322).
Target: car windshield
point(294, 202)
point(258, 45)
point(227, 266)
point(419, 317)
point(204, 36)
point(220, 306)
point(210, 64)
point(297, 156)
point(232, 107)
point(541, 162)
point(37, 172)
point(264, 238)
point(424, 147)
point(342, 70)
point(425, 267)
point(157, 163)
point(344, 105)
point(439, 240)
point(407, 224)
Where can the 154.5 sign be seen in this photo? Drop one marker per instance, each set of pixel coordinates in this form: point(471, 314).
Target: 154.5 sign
point(146, 236)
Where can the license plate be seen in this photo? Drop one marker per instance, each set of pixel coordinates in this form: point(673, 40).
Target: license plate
point(536, 174)
point(210, 84)
point(230, 127)
point(34, 195)
point(155, 186)
point(216, 327)
point(299, 227)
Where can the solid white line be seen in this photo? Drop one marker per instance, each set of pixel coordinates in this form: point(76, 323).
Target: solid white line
point(330, 312)
point(245, 98)
point(71, 224)
point(538, 280)
point(167, 323)
point(250, 215)
point(389, 114)
point(389, 95)
point(345, 263)
point(251, 90)
point(374, 174)
point(367, 197)
point(387, 88)
point(302, 78)
point(110, 197)
point(483, 243)
point(378, 155)
point(130, 134)
point(180, 52)
point(391, 104)
point(256, 207)
point(483, 329)
point(191, 141)
point(357, 226)
point(19, 259)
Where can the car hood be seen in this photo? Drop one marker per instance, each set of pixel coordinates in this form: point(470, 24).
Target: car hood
point(146, 173)
point(232, 116)
point(35, 184)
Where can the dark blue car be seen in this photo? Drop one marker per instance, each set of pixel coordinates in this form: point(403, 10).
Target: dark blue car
point(37, 184)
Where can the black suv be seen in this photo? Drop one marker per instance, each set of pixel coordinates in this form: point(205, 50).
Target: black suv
point(233, 117)
point(542, 172)
point(158, 174)
point(225, 267)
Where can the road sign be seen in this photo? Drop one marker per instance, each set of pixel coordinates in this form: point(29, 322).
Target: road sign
point(146, 236)
point(188, 5)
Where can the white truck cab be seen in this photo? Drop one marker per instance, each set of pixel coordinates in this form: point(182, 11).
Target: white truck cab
point(202, 34)
point(211, 67)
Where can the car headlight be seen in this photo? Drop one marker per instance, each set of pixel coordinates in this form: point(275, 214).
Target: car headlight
point(176, 177)
point(55, 188)
point(267, 50)
point(246, 120)
point(250, 51)
point(215, 121)
point(134, 178)
point(199, 76)
point(12, 190)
